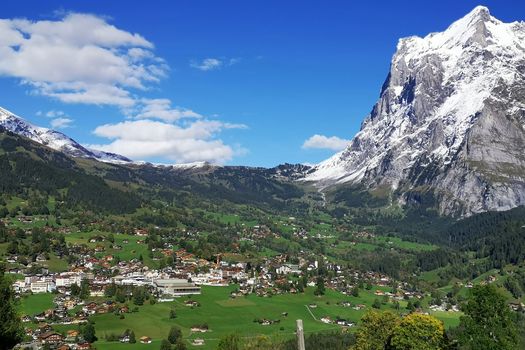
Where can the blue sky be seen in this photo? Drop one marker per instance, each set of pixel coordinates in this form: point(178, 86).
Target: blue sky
point(235, 82)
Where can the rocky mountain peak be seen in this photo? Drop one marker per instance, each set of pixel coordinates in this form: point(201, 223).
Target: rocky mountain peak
point(446, 103)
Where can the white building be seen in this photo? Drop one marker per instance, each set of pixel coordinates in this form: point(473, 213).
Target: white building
point(42, 287)
point(176, 287)
point(68, 279)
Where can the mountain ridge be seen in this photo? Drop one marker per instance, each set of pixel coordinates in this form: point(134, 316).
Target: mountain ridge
point(55, 139)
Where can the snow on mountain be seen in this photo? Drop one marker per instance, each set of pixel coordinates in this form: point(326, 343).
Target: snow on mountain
point(451, 117)
point(54, 139)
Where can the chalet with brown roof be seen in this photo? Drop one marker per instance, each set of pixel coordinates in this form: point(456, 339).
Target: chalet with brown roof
point(72, 333)
point(51, 338)
point(83, 346)
point(145, 340)
point(141, 232)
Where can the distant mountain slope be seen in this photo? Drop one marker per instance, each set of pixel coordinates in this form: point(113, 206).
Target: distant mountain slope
point(27, 167)
point(54, 139)
point(450, 121)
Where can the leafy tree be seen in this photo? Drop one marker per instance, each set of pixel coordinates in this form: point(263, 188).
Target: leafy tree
point(10, 326)
point(376, 304)
point(418, 332)
point(165, 345)
point(174, 335)
point(180, 345)
point(229, 342)
point(487, 323)
point(375, 330)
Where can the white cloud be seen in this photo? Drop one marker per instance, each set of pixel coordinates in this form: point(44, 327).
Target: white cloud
point(79, 58)
point(322, 142)
point(160, 108)
point(61, 123)
point(208, 64)
point(59, 119)
point(53, 113)
point(143, 139)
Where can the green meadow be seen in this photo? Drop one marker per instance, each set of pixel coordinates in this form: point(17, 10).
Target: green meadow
point(225, 316)
point(132, 249)
point(35, 303)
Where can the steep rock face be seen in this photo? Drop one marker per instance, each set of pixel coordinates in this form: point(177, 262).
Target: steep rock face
point(450, 119)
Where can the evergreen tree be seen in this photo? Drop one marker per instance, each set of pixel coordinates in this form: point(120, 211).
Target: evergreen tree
point(89, 333)
point(84, 289)
point(10, 325)
point(320, 288)
point(75, 290)
point(173, 314)
point(138, 297)
point(174, 335)
point(132, 339)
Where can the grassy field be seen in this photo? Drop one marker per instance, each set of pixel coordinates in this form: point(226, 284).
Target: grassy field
point(402, 244)
point(35, 304)
point(130, 250)
point(225, 315)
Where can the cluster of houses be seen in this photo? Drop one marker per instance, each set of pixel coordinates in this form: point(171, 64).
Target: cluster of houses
point(185, 277)
point(45, 336)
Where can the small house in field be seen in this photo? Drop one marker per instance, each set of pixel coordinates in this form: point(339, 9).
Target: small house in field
point(326, 319)
point(197, 342)
point(145, 340)
point(199, 328)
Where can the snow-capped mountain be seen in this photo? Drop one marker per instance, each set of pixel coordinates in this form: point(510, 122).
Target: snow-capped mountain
point(450, 119)
point(54, 139)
